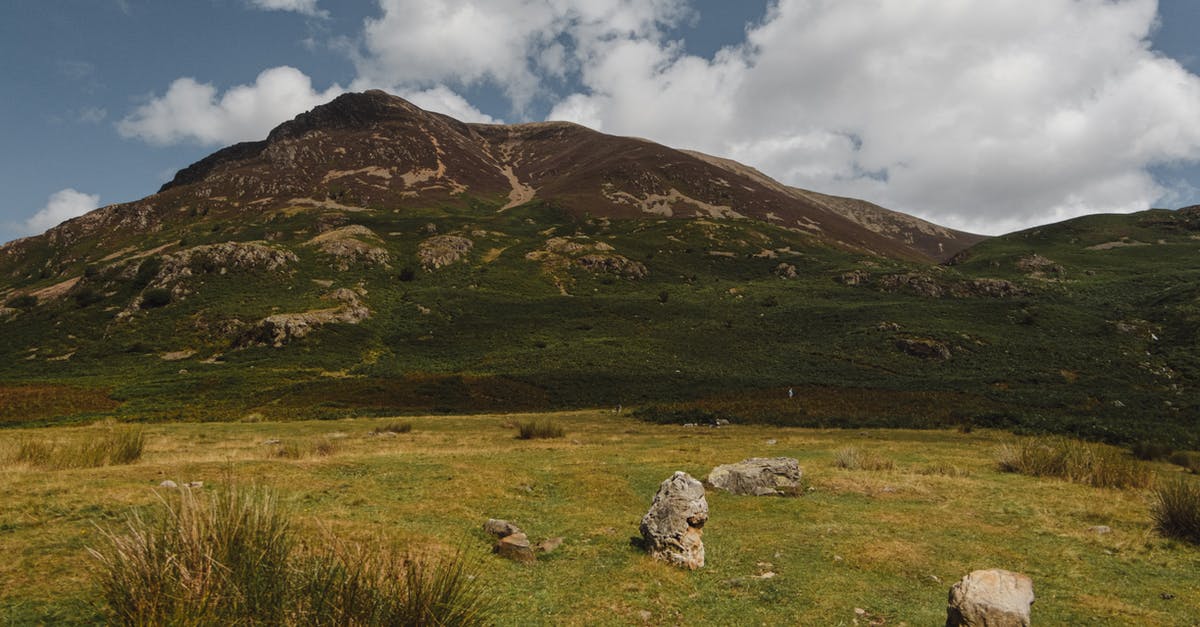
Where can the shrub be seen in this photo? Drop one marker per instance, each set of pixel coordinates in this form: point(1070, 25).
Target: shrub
point(156, 297)
point(1081, 462)
point(407, 274)
point(393, 427)
point(1176, 509)
point(945, 469)
point(1190, 461)
point(1151, 451)
point(231, 558)
point(538, 429)
point(854, 458)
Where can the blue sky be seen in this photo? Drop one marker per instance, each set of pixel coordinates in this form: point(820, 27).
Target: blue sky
point(993, 117)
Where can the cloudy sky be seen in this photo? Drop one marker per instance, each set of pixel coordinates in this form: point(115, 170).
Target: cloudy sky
point(982, 115)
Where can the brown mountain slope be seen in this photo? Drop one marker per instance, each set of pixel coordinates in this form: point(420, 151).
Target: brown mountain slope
point(374, 151)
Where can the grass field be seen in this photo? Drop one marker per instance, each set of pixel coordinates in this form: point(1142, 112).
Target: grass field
point(889, 542)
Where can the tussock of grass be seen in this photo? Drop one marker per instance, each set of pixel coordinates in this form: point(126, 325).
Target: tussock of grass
point(393, 427)
point(538, 429)
point(945, 469)
point(1151, 451)
point(854, 458)
point(1183, 459)
point(321, 447)
point(115, 447)
point(1176, 509)
point(232, 558)
point(1081, 462)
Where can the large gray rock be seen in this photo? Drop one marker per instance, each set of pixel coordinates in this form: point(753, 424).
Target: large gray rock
point(515, 547)
point(758, 476)
point(990, 598)
point(672, 529)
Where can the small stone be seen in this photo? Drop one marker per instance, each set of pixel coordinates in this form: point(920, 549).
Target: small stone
point(516, 548)
point(837, 558)
point(766, 575)
point(548, 545)
point(500, 528)
point(168, 484)
point(772, 442)
point(1166, 596)
point(271, 442)
point(1100, 529)
point(860, 611)
point(645, 615)
point(194, 484)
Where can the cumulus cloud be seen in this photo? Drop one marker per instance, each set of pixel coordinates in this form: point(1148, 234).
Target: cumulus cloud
point(62, 206)
point(304, 7)
point(193, 111)
point(987, 116)
point(513, 44)
point(444, 100)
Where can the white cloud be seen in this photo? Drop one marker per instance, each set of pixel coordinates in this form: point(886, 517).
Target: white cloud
point(987, 116)
point(192, 111)
point(62, 206)
point(512, 44)
point(304, 7)
point(444, 100)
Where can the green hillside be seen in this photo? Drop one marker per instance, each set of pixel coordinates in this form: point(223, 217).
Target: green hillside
point(1087, 327)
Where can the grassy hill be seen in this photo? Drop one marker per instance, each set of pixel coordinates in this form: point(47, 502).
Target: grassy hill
point(1066, 328)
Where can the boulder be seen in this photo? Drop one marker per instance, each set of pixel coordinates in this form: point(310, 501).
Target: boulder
point(168, 484)
point(758, 476)
point(516, 548)
point(924, 348)
point(990, 598)
point(672, 529)
point(500, 528)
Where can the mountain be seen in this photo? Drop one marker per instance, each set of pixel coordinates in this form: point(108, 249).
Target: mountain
point(373, 150)
point(369, 257)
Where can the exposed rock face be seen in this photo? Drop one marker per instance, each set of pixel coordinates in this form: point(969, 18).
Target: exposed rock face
point(854, 277)
point(785, 271)
point(990, 598)
point(500, 528)
point(991, 288)
point(440, 251)
point(612, 264)
point(924, 348)
point(758, 476)
point(220, 259)
point(1037, 265)
point(279, 329)
point(919, 283)
point(350, 245)
point(673, 527)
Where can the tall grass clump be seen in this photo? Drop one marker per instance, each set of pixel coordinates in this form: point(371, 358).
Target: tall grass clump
point(393, 427)
point(352, 586)
point(231, 557)
point(1175, 509)
point(854, 458)
point(1096, 465)
point(538, 429)
point(116, 447)
point(217, 559)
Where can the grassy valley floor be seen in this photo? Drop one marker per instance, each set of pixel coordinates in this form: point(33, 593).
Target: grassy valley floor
point(888, 542)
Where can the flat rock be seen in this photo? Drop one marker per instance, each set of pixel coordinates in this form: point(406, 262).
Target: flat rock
point(990, 598)
point(549, 544)
point(516, 548)
point(758, 476)
point(500, 528)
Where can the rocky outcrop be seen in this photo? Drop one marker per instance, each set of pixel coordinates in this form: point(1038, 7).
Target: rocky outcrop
point(673, 528)
point(612, 264)
point(990, 598)
point(758, 476)
point(1038, 266)
point(925, 348)
point(440, 251)
point(785, 271)
point(511, 542)
point(219, 259)
point(279, 329)
point(351, 245)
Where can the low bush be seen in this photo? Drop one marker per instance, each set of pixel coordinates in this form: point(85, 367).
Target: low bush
point(393, 427)
point(1151, 451)
point(854, 458)
point(1176, 509)
point(1183, 459)
point(538, 429)
point(230, 557)
point(321, 447)
point(1097, 465)
point(156, 297)
point(945, 469)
